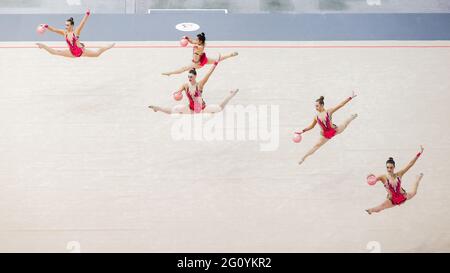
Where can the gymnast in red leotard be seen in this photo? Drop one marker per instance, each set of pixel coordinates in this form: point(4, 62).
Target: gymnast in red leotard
point(324, 119)
point(194, 94)
point(199, 58)
point(392, 181)
point(194, 91)
point(73, 46)
point(328, 129)
point(72, 35)
point(198, 50)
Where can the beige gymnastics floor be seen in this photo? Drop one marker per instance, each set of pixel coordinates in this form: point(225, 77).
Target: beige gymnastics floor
point(82, 158)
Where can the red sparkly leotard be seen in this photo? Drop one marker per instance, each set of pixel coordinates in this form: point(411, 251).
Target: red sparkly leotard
point(328, 129)
point(397, 194)
point(73, 46)
point(196, 103)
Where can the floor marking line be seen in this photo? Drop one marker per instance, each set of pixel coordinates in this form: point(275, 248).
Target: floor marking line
point(254, 46)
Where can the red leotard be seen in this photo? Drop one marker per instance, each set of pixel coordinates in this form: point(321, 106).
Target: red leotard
point(203, 59)
point(73, 46)
point(328, 129)
point(194, 103)
point(397, 194)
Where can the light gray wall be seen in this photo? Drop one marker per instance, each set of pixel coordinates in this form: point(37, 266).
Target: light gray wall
point(234, 6)
point(242, 27)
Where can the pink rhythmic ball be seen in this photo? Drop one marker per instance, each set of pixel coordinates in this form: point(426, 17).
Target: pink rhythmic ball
point(40, 30)
point(178, 96)
point(297, 138)
point(371, 180)
point(184, 42)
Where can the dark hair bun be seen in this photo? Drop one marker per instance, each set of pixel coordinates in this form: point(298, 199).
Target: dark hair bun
point(390, 161)
point(70, 20)
point(193, 71)
point(320, 100)
point(201, 37)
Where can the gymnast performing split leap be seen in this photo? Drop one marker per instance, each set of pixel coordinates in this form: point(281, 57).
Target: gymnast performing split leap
point(194, 91)
point(72, 35)
point(324, 118)
point(199, 58)
point(392, 181)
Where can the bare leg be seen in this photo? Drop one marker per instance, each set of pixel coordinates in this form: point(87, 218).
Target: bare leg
point(177, 109)
point(319, 144)
point(228, 98)
point(161, 109)
point(413, 193)
point(181, 70)
point(385, 205)
point(100, 51)
point(344, 125)
point(214, 108)
point(222, 58)
point(64, 53)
